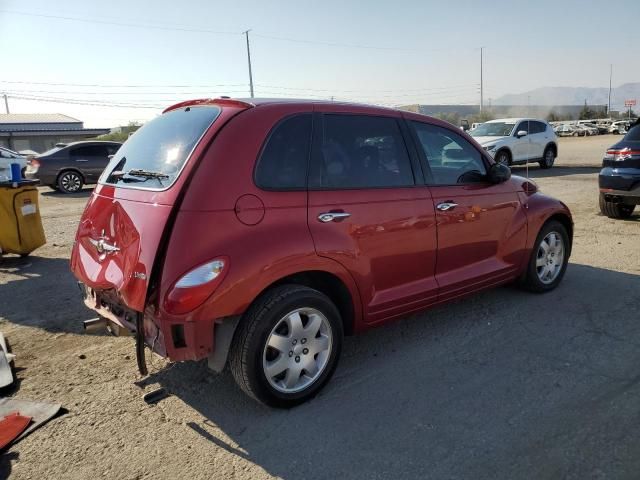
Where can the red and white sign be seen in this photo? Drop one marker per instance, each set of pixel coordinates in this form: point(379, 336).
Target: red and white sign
point(630, 103)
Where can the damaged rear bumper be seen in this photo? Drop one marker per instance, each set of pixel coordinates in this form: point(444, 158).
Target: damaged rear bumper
point(175, 339)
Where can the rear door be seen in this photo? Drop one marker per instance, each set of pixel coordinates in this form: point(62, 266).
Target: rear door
point(539, 138)
point(481, 227)
point(367, 213)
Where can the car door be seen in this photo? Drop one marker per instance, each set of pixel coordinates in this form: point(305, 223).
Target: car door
point(90, 160)
point(368, 210)
point(539, 138)
point(481, 227)
point(521, 151)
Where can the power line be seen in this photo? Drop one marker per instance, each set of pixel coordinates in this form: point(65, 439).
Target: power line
point(97, 85)
point(73, 101)
point(123, 24)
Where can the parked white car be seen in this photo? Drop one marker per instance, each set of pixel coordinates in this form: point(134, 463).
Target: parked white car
point(518, 140)
point(7, 157)
point(619, 127)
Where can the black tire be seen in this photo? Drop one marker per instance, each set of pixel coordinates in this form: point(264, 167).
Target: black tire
point(503, 156)
point(531, 281)
point(548, 157)
point(70, 181)
point(250, 339)
point(615, 210)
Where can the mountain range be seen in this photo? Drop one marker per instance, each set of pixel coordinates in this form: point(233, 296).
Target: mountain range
point(573, 96)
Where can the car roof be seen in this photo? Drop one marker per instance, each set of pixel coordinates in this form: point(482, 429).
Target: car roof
point(257, 102)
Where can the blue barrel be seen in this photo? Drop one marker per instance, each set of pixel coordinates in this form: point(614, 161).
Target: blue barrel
point(16, 174)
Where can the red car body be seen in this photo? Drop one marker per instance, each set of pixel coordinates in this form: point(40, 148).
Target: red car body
point(396, 253)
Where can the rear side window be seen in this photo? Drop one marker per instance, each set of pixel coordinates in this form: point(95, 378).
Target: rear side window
point(283, 162)
point(360, 151)
point(538, 127)
point(89, 151)
point(153, 157)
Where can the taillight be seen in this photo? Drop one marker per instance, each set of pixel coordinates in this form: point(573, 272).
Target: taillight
point(620, 155)
point(195, 286)
point(33, 163)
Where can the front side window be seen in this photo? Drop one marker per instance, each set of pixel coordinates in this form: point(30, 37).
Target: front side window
point(451, 158)
point(524, 126)
point(361, 151)
point(283, 162)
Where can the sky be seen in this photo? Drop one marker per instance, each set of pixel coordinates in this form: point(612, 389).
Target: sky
point(129, 59)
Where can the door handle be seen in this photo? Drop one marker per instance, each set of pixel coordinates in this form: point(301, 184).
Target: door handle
point(80, 160)
point(332, 216)
point(444, 206)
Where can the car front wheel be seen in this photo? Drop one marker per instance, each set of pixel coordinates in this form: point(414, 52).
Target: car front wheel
point(503, 157)
point(549, 258)
point(70, 182)
point(287, 346)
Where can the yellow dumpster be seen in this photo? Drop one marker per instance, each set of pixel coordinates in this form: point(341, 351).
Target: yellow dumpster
point(21, 229)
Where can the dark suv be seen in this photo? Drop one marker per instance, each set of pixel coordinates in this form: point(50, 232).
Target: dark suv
point(261, 232)
point(68, 167)
point(619, 178)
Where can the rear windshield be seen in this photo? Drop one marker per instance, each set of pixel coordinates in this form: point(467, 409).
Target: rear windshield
point(633, 135)
point(153, 157)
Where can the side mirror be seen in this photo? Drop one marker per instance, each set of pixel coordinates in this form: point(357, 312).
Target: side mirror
point(110, 156)
point(521, 133)
point(499, 173)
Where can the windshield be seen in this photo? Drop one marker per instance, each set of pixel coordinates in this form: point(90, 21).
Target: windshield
point(154, 156)
point(493, 129)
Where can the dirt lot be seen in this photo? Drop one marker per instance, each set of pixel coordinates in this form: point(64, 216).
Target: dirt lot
point(505, 384)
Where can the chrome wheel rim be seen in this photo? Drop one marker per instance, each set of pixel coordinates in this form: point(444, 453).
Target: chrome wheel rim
point(297, 350)
point(70, 182)
point(550, 257)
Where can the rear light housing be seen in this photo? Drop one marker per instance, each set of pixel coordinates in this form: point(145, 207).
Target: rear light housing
point(620, 155)
point(194, 287)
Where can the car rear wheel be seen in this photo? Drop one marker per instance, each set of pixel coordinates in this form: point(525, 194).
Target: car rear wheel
point(503, 157)
point(615, 210)
point(548, 158)
point(70, 182)
point(287, 346)
point(549, 258)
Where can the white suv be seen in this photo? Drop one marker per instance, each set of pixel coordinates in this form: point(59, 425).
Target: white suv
point(518, 140)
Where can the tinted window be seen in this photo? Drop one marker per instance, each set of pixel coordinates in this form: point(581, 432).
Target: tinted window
point(537, 127)
point(633, 135)
point(526, 126)
point(112, 149)
point(89, 151)
point(359, 151)
point(284, 158)
point(451, 158)
point(162, 146)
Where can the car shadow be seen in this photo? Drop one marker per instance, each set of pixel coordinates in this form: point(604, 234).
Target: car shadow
point(84, 193)
point(557, 171)
point(42, 293)
point(503, 384)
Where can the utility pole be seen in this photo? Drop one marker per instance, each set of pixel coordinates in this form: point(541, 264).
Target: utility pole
point(481, 84)
point(609, 104)
point(6, 103)
point(246, 33)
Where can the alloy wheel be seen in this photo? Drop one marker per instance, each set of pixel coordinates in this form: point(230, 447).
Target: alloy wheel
point(550, 257)
point(297, 350)
point(70, 182)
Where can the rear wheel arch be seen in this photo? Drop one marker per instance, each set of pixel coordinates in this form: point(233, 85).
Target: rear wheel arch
point(553, 146)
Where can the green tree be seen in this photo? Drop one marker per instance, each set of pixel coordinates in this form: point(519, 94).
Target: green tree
point(123, 133)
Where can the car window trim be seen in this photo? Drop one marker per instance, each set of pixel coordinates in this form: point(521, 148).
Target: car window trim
point(425, 162)
point(316, 151)
point(266, 142)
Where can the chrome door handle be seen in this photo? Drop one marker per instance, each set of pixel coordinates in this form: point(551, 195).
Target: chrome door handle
point(444, 206)
point(332, 216)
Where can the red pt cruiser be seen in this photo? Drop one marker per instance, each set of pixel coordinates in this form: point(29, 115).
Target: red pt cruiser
point(262, 232)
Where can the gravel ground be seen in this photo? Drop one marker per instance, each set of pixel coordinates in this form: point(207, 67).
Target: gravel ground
point(504, 384)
